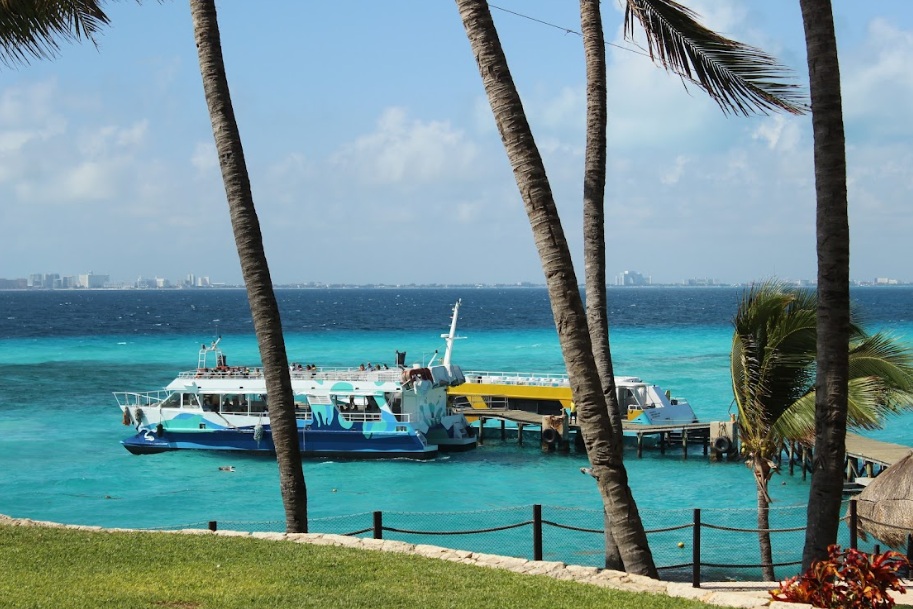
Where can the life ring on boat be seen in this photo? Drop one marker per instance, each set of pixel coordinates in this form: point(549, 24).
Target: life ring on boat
point(550, 435)
point(722, 444)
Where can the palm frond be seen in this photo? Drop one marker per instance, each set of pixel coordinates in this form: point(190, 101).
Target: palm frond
point(866, 409)
point(882, 356)
point(773, 356)
point(741, 79)
point(33, 29)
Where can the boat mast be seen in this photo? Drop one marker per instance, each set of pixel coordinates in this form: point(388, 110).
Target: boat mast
point(449, 338)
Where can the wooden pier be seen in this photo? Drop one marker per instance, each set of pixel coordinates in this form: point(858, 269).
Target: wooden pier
point(684, 434)
point(865, 457)
point(874, 453)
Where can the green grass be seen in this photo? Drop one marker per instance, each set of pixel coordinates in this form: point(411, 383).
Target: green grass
point(56, 568)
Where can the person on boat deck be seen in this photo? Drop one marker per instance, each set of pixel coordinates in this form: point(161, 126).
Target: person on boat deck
point(351, 402)
point(362, 367)
point(573, 413)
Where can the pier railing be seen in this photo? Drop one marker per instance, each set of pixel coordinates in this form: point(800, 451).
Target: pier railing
point(687, 545)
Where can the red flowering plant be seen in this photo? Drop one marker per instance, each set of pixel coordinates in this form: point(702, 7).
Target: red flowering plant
point(848, 579)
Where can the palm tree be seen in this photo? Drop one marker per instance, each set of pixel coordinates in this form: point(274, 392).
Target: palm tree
point(594, 177)
point(32, 29)
point(738, 78)
point(773, 370)
point(693, 43)
point(833, 245)
point(246, 227)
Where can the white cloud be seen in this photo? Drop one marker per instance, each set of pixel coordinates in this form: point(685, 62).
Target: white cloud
point(780, 133)
point(112, 140)
point(877, 83)
point(674, 174)
point(406, 152)
point(204, 157)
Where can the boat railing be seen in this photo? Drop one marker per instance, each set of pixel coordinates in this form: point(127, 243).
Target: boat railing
point(463, 405)
point(517, 378)
point(327, 374)
point(348, 374)
point(140, 398)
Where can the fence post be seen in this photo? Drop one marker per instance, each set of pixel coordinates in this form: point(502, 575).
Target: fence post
point(378, 525)
point(696, 550)
point(537, 532)
point(853, 524)
point(213, 525)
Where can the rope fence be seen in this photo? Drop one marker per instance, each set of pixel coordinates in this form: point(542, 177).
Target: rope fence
point(718, 537)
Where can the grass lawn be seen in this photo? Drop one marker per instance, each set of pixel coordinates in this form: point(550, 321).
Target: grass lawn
point(54, 567)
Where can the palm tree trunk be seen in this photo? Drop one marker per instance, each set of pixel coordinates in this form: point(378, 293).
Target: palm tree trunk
point(833, 244)
point(594, 233)
point(564, 293)
point(255, 270)
point(767, 569)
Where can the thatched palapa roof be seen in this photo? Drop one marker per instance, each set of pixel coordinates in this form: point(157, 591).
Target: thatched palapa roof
point(885, 507)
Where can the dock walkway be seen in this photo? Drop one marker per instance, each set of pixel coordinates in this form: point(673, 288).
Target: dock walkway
point(684, 433)
point(876, 452)
point(864, 456)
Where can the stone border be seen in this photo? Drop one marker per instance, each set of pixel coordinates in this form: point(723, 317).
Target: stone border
point(745, 595)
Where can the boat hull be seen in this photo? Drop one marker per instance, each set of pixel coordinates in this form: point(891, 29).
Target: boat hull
point(312, 443)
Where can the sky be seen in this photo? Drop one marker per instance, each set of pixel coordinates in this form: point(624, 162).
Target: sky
point(374, 157)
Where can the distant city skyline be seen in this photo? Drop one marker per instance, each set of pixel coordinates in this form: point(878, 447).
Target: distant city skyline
point(627, 278)
point(374, 157)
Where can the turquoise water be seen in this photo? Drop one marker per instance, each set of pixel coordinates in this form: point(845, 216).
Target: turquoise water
point(62, 354)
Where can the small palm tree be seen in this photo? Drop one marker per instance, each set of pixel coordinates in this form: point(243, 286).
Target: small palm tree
point(773, 379)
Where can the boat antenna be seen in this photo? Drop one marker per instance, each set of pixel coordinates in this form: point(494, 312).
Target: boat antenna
point(451, 336)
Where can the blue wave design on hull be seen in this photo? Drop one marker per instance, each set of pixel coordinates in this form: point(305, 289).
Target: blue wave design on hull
point(319, 442)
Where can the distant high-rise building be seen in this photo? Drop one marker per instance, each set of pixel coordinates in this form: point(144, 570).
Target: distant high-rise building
point(631, 278)
point(92, 281)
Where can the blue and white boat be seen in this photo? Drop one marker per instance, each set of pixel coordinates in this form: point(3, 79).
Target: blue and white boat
point(361, 412)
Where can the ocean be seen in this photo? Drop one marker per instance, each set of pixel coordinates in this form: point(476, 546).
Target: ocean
point(63, 353)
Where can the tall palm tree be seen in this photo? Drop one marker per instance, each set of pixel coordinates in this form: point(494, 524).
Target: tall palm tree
point(727, 70)
point(594, 178)
point(833, 246)
point(30, 29)
point(773, 370)
point(255, 270)
point(738, 79)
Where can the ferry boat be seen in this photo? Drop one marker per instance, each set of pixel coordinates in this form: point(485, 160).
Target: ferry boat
point(641, 403)
point(341, 412)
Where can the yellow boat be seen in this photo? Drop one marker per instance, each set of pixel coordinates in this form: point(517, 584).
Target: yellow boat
point(550, 394)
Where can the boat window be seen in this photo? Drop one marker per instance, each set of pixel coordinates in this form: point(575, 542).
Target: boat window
point(257, 403)
point(234, 403)
point(172, 401)
point(626, 397)
point(210, 402)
